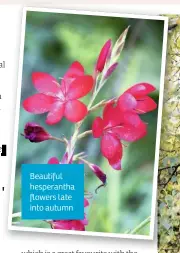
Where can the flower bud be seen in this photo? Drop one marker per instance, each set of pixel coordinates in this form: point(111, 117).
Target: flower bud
point(98, 172)
point(104, 54)
point(35, 133)
point(110, 70)
point(53, 160)
point(119, 45)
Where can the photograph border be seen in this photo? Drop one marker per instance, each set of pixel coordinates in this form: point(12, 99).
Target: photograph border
point(158, 132)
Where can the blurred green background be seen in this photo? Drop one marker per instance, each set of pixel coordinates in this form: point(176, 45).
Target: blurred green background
point(52, 42)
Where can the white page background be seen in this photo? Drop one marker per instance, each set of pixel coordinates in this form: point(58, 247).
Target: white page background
point(17, 242)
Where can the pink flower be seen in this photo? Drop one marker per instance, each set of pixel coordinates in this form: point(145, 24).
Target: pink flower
point(103, 56)
point(78, 225)
point(136, 99)
point(60, 100)
point(35, 133)
point(114, 127)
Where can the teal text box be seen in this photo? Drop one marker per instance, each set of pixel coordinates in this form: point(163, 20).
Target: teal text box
point(52, 191)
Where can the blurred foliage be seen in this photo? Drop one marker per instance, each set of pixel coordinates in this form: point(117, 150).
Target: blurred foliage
point(52, 43)
point(169, 165)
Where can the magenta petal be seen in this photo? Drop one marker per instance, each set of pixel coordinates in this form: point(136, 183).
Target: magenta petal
point(85, 221)
point(133, 128)
point(115, 161)
point(145, 104)
point(38, 103)
point(75, 111)
point(45, 83)
point(97, 127)
point(127, 102)
point(141, 89)
point(53, 160)
point(112, 116)
point(110, 146)
point(56, 113)
point(86, 202)
point(131, 118)
point(80, 87)
point(77, 225)
point(75, 70)
point(130, 134)
point(61, 224)
point(115, 164)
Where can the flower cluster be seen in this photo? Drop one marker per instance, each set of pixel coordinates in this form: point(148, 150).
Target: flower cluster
point(121, 122)
point(60, 100)
point(120, 119)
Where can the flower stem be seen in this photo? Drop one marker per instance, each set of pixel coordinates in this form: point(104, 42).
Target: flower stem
point(86, 133)
point(141, 225)
point(102, 103)
point(78, 125)
point(76, 156)
point(84, 161)
point(63, 140)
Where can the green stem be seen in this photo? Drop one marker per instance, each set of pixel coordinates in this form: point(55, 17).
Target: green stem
point(75, 136)
point(78, 125)
point(141, 225)
point(76, 156)
point(86, 133)
point(63, 140)
point(114, 204)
